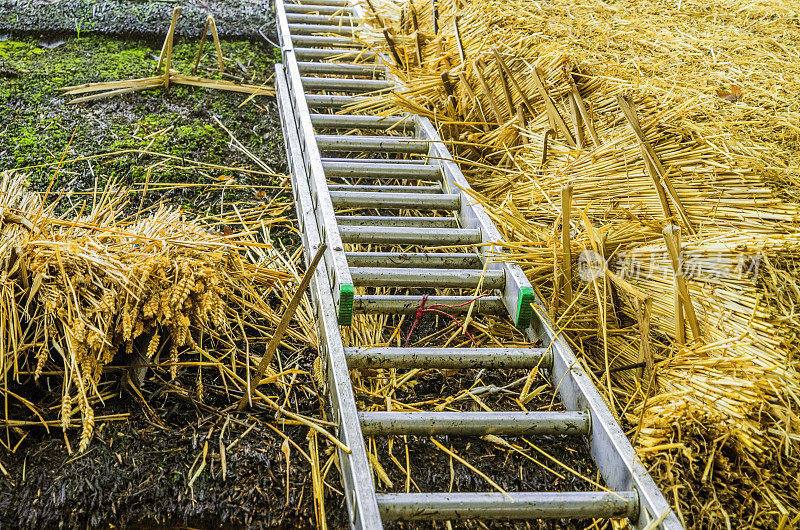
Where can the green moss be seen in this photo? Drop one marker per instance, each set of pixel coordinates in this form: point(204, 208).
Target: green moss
point(176, 123)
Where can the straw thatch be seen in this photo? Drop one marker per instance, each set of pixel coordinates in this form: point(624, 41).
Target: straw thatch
point(87, 287)
point(557, 106)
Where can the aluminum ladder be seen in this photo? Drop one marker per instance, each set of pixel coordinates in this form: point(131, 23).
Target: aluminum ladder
point(325, 70)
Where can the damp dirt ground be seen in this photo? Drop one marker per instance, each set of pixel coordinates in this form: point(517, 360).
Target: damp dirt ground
point(142, 471)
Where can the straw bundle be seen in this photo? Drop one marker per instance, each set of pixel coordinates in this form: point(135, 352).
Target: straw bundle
point(77, 293)
point(704, 428)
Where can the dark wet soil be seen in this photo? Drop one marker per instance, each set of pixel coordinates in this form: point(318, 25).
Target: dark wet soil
point(143, 472)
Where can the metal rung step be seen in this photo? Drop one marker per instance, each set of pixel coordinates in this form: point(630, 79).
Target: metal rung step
point(419, 260)
point(355, 121)
point(383, 170)
point(409, 358)
point(385, 220)
point(433, 278)
point(329, 101)
point(474, 423)
point(338, 3)
point(332, 53)
point(303, 18)
point(408, 304)
point(523, 505)
point(311, 67)
point(323, 10)
point(403, 235)
point(319, 41)
point(334, 84)
point(409, 201)
point(416, 160)
point(384, 189)
point(314, 29)
point(384, 144)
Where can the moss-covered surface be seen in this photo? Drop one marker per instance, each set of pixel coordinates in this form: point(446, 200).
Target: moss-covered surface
point(235, 18)
point(39, 126)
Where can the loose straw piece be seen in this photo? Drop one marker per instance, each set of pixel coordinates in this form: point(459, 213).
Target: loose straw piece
point(175, 13)
point(504, 83)
point(202, 42)
point(552, 111)
point(167, 51)
point(566, 251)
point(587, 120)
point(680, 323)
point(392, 48)
point(652, 163)
point(576, 119)
point(217, 45)
point(461, 53)
point(479, 67)
point(283, 325)
point(680, 280)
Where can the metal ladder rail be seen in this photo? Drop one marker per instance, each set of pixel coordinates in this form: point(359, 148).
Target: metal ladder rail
point(360, 495)
point(335, 260)
point(575, 395)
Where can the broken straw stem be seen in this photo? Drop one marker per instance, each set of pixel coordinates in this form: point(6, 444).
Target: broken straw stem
point(566, 255)
point(202, 43)
point(168, 45)
point(538, 79)
point(175, 13)
point(680, 280)
point(680, 321)
point(283, 325)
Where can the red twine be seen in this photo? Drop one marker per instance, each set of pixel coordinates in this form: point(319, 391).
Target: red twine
point(422, 309)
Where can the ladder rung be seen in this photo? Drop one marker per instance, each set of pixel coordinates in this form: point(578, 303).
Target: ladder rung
point(403, 235)
point(337, 3)
point(408, 304)
point(474, 423)
point(355, 121)
point(386, 220)
point(334, 84)
point(385, 144)
point(409, 358)
point(420, 260)
point(415, 160)
point(523, 505)
point(303, 18)
point(332, 53)
point(410, 201)
point(319, 41)
point(323, 10)
point(385, 189)
point(383, 170)
point(433, 278)
point(329, 101)
point(311, 67)
point(313, 29)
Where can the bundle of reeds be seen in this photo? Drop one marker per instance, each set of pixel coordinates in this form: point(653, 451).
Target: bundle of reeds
point(84, 288)
point(703, 433)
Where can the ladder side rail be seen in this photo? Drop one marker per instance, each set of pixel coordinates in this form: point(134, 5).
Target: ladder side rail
point(356, 473)
point(335, 259)
point(517, 293)
point(613, 453)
